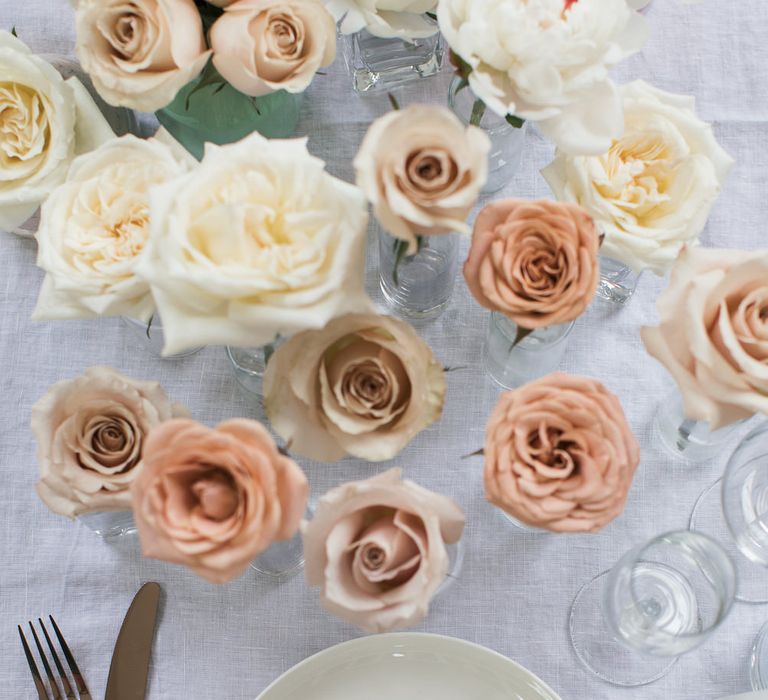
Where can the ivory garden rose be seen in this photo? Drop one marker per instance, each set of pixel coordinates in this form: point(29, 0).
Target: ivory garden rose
point(559, 454)
point(422, 170)
point(94, 227)
point(534, 261)
point(90, 434)
point(213, 499)
point(547, 61)
point(713, 333)
point(139, 54)
point(364, 385)
point(404, 19)
point(260, 46)
point(653, 190)
point(378, 549)
point(46, 122)
point(257, 241)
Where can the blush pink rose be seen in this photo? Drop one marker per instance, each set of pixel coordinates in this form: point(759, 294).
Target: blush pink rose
point(713, 333)
point(377, 548)
point(213, 499)
point(559, 454)
point(534, 261)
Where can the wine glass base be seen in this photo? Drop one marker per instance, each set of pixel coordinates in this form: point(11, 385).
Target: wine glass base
point(707, 517)
point(600, 652)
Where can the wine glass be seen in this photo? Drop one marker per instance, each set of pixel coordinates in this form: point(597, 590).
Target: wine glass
point(662, 599)
point(734, 511)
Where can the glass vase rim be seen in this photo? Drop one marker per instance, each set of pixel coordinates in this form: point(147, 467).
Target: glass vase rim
point(567, 330)
point(635, 556)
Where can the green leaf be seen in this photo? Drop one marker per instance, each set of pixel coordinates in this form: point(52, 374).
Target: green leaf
point(476, 453)
point(149, 325)
point(400, 249)
point(431, 15)
point(512, 120)
point(478, 112)
point(601, 240)
point(13, 31)
point(463, 69)
point(269, 350)
point(393, 101)
point(209, 76)
point(457, 368)
point(522, 334)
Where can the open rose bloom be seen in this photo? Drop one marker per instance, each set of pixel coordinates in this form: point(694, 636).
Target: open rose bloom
point(364, 385)
point(533, 261)
point(90, 434)
point(559, 454)
point(403, 19)
point(422, 170)
point(713, 333)
point(378, 549)
point(653, 190)
point(547, 61)
point(213, 499)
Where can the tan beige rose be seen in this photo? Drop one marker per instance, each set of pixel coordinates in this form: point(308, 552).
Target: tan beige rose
point(364, 385)
point(260, 46)
point(213, 499)
point(559, 454)
point(535, 262)
point(139, 54)
point(90, 432)
point(713, 333)
point(378, 549)
point(422, 170)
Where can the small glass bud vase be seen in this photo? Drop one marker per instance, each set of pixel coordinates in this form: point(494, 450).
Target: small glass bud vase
point(507, 141)
point(686, 439)
point(283, 559)
point(512, 363)
point(149, 335)
point(382, 64)
point(249, 365)
point(420, 285)
point(109, 524)
point(210, 109)
point(522, 527)
point(617, 281)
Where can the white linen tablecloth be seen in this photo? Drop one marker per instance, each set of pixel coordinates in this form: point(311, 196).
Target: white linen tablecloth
point(513, 594)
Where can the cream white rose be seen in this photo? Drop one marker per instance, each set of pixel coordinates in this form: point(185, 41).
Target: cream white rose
point(547, 61)
point(94, 227)
point(90, 434)
point(45, 121)
point(139, 54)
point(257, 241)
point(653, 190)
point(385, 18)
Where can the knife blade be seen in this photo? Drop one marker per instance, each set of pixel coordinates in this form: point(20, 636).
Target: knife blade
point(129, 670)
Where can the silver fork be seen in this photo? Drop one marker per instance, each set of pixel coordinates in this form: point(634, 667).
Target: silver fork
point(55, 694)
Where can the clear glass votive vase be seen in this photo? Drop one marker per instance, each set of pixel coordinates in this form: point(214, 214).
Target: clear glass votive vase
point(376, 63)
point(285, 558)
point(512, 364)
point(149, 335)
point(522, 527)
point(109, 524)
point(758, 661)
point(687, 439)
point(420, 285)
point(507, 141)
point(617, 281)
point(249, 365)
point(661, 600)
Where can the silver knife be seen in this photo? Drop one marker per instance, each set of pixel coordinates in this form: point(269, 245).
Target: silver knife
point(129, 670)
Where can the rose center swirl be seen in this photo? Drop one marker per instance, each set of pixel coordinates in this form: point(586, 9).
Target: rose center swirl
point(216, 493)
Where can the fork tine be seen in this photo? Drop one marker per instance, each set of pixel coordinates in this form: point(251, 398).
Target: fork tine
point(79, 682)
point(51, 680)
point(68, 692)
point(42, 693)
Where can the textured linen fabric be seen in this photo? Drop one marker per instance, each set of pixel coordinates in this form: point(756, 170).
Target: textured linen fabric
point(514, 591)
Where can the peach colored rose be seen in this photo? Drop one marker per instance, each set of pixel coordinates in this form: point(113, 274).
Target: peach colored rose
point(535, 262)
point(422, 170)
point(139, 54)
point(559, 454)
point(213, 499)
point(90, 432)
point(260, 46)
point(377, 547)
point(713, 333)
point(364, 385)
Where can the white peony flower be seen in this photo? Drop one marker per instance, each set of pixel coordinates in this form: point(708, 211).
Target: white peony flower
point(653, 190)
point(94, 227)
point(385, 18)
point(547, 61)
point(45, 121)
point(257, 241)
